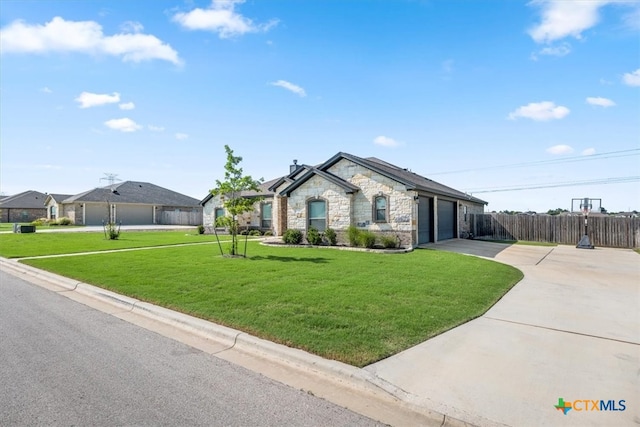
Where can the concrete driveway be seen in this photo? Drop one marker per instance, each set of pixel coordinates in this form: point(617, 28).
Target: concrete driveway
point(570, 329)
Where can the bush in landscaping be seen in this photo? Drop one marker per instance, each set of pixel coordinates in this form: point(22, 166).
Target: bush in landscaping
point(313, 236)
point(268, 233)
point(38, 222)
point(64, 221)
point(255, 233)
point(367, 239)
point(389, 242)
point(200, 229)
point(330, 236)
point(292, 237)
point(353, 235)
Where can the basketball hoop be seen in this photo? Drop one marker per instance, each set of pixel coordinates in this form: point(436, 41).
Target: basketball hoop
point(585, 205)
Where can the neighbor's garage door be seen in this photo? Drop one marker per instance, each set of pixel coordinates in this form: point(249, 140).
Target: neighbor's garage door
point(446, 220)
point(134, 214)
point(95, 213)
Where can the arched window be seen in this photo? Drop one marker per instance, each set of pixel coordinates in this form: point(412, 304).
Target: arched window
point(317, 214)
point(381, 209)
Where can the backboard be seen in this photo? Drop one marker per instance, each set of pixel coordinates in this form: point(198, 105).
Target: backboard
point(585, 205)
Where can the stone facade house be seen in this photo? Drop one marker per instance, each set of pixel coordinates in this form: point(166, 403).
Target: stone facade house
point(128, 203)
point(261, 218)
point(23, 207)
point(368, 193)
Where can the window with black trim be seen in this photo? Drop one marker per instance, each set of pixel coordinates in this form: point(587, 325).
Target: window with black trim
point(265, 215)
point(317, 214)
point(380, 209)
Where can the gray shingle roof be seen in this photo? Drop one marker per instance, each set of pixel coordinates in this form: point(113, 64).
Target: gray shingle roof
point(26, 200)
point(410, 179)
point(265, 192)
point(134, 192)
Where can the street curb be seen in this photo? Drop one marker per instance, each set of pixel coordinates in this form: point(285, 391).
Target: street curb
point(238, 340)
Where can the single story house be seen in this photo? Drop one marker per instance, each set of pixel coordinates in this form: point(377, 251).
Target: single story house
point(368, 193)
point(128, 203)
point(261, 218)
point(23, 207)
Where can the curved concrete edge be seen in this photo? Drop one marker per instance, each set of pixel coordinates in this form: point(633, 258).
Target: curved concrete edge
point(353, 377)
point(204, 328)
point(23, 269)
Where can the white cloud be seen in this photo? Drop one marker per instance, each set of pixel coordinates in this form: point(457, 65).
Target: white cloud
point(123, 125)
point(59, 35)
point(88, 99)
point(181, 136)
point(589, 152)
point(562, 18)
point(155, 128)
point(131, 27)
point(46, 90)
point(600, 102)
point(290, 87)
point(222, 18)
point(540, 111)
point(633, 78)
point(559, 50)
point(560, 149)
point(385, 141)
point(127, 106)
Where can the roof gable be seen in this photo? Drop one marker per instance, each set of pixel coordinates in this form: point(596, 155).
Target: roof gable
point(311, 171)
point(411, 180)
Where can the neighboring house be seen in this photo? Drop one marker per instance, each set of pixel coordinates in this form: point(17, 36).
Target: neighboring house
point(128, 203)
point(261, 218)
point(368, 193)
point(24, 207)
point(55, 209)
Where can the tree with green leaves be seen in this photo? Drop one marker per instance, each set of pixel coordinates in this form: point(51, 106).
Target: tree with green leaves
point(234, 203)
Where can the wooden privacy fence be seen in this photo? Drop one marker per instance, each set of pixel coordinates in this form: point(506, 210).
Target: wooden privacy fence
point(609, 231)
point(181, 217)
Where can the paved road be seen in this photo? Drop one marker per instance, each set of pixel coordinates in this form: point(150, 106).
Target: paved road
point(62, 363)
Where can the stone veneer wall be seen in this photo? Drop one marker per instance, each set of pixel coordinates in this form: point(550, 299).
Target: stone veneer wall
point(356, 209)
point(252, 219)
point(464, 224)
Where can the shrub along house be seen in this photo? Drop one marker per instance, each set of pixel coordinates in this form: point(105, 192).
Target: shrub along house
point(368, 193)
point(129, 203)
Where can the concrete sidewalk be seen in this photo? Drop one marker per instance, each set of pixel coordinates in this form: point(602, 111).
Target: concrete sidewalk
point(570, 329)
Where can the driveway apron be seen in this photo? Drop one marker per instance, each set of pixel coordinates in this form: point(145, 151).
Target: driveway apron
point(569, 330)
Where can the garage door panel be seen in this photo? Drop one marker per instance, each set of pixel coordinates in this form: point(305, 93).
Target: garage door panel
point(134, 214)
point(446, 220)
point(95, 214)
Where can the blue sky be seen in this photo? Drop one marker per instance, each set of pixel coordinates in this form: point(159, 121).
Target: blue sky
point(483, 96)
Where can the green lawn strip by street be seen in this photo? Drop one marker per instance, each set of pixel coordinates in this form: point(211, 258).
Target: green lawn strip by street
point(34, 244)
point(4, 226)
point(355, 307)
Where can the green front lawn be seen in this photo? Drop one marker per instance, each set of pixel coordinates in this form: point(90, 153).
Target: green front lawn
point(34, 244)
point(355, 307)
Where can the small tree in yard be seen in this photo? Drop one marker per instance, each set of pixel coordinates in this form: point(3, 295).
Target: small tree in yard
point(235, 205)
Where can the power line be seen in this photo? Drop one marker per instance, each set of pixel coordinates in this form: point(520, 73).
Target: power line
point(601, 181)
point(573, 159)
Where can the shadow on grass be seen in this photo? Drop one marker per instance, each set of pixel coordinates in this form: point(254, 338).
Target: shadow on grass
point(315, 260)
